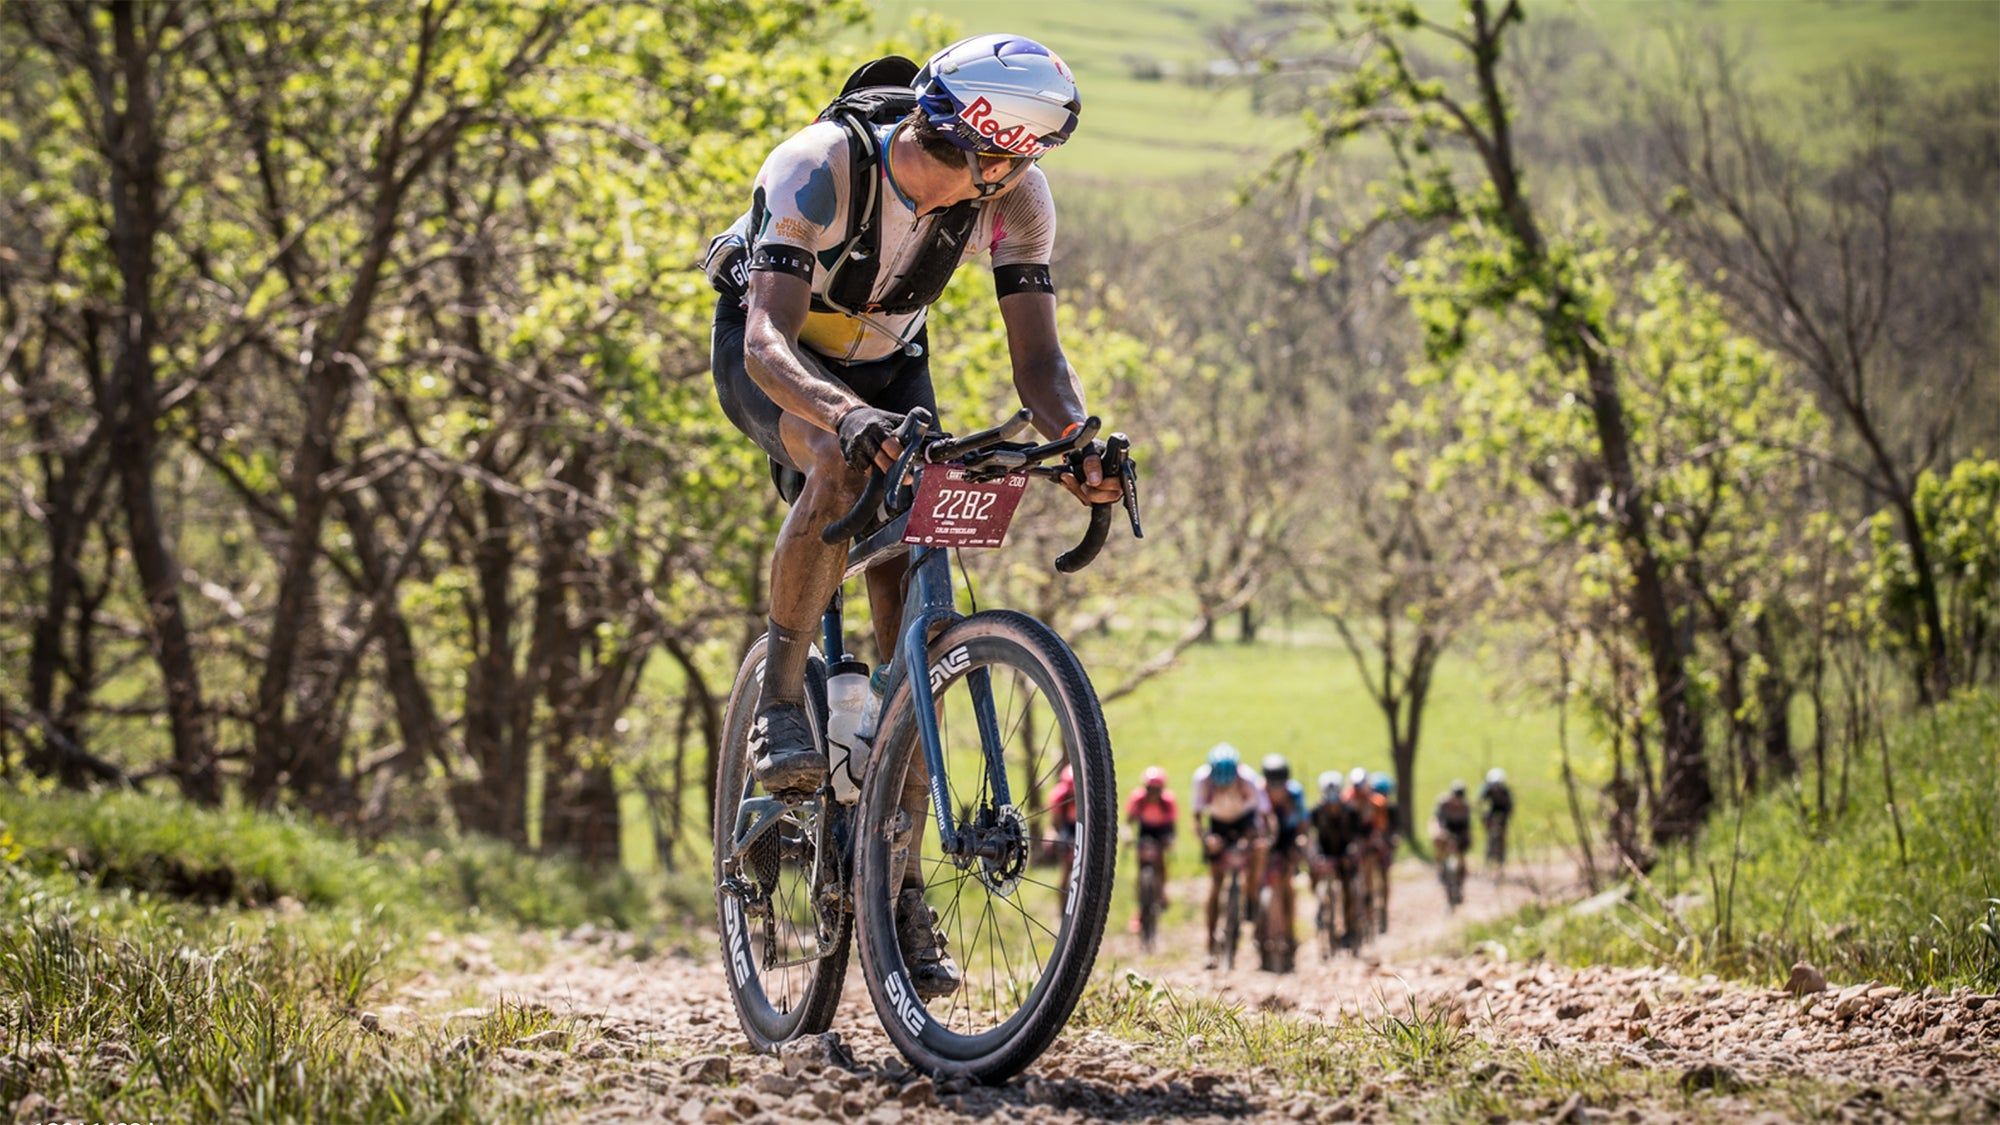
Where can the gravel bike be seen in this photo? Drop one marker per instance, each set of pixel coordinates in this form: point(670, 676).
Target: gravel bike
point(1276, 947)
point(1235, 860)
point(1495, 823)
point(979, 714)
point(1450, 852)
point(1337, 916)
point(1152, 890)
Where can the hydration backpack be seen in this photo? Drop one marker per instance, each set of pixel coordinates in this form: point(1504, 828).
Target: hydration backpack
point(879, 93)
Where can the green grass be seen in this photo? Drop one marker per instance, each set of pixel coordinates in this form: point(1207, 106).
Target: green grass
point(1842, 893)
point(162, 962)
point(161, 846)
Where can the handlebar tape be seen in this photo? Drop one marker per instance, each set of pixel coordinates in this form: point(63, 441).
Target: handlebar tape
point(857, 517)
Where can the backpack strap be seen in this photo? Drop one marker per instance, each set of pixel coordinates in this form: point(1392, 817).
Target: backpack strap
point(851, 275)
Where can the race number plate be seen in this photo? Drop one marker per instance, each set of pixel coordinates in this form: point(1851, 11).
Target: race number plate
point(951, 511)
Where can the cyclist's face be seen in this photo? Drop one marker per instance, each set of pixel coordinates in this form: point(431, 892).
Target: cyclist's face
point(994, 169)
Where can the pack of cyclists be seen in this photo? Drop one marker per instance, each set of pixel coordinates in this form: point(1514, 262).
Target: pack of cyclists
point(1259, 825)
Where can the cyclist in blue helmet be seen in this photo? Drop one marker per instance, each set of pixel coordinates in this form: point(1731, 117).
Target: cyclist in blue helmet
point(1233, 811)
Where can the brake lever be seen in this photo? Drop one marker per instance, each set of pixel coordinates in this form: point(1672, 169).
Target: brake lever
point(1128, 473)
point(910, 435)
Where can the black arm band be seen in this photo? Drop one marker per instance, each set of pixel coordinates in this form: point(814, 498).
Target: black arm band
point(779, 258)
point(1009, 280)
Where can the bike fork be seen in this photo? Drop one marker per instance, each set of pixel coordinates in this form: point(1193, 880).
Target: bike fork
point(928, 602)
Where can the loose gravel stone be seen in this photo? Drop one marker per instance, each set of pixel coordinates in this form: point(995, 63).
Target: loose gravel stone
point(1805, 979)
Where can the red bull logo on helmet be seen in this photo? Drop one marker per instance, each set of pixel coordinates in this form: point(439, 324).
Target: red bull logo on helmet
point(1012, 138)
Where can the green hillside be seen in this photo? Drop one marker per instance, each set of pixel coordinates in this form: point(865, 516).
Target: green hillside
point(1160, 103)
point(1902, 890)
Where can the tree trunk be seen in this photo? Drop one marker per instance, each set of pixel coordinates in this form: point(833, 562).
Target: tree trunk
point(494, 802)
point(1774, 700)
point(1933, 654)
point(1571, 339)
point(131, 133)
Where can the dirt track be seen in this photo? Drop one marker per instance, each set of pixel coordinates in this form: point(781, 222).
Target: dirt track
point(662, 1043)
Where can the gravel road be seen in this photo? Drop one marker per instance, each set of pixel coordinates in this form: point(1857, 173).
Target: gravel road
point(660, 1043)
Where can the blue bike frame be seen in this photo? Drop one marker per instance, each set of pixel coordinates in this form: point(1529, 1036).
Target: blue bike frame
point(928, 603)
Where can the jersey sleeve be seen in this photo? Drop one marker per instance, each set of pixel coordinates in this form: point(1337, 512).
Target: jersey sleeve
point(799, 204)
point(1199, 789)
point(1024, 237)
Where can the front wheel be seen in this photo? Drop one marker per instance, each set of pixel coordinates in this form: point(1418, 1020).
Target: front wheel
point(1232, 919)
point(1013, 708)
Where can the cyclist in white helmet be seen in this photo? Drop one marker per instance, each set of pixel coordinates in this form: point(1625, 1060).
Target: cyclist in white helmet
point(819, 348)
point(1496, 802)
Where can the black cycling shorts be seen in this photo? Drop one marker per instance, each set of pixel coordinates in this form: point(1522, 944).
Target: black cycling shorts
point(1163, 834)
point(899, 383)
point(1232, 832)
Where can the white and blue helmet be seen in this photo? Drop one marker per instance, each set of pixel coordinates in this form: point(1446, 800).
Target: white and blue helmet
point(999, 95)
point(1222, 763)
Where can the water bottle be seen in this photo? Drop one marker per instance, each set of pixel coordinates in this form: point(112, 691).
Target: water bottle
point(848, 698)
point(878, 683)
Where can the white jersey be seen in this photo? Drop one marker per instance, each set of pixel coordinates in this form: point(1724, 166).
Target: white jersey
point(804, 187)
point(1230, 802)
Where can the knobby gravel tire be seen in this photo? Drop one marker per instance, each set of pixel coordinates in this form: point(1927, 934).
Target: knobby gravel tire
point(764, 1024)
point(998, 640)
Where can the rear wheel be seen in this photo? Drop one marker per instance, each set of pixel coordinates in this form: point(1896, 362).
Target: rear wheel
point(784, 959)
point(1024, 945)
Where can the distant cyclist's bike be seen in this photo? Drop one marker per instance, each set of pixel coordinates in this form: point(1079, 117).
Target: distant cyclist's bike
point(1451, 866)
point(1335, 893)
point(1496, 839)
point(1380, 859)
point(1235, 860)
point(1275, 947)
point(1152, 890)
point(980, 714)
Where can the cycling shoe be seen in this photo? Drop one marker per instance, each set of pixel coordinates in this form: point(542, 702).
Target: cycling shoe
point(783, 755)
point(932, 970)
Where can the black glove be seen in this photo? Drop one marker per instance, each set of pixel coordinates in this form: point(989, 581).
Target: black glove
point(862, 432)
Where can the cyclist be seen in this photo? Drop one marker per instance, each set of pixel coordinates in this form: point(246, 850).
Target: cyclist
point(1451, 820)
point(1232, 797)
point(1496, 803)
point(820, 375)
point(1152, 810)
point(1288, 820)
point(1062, 818)
point(1370, 793)
point(1337, 839)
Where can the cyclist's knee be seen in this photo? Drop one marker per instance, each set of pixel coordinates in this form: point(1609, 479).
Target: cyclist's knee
point(817, 453)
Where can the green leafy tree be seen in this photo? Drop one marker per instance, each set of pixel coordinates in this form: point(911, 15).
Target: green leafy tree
point(1458, 173)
